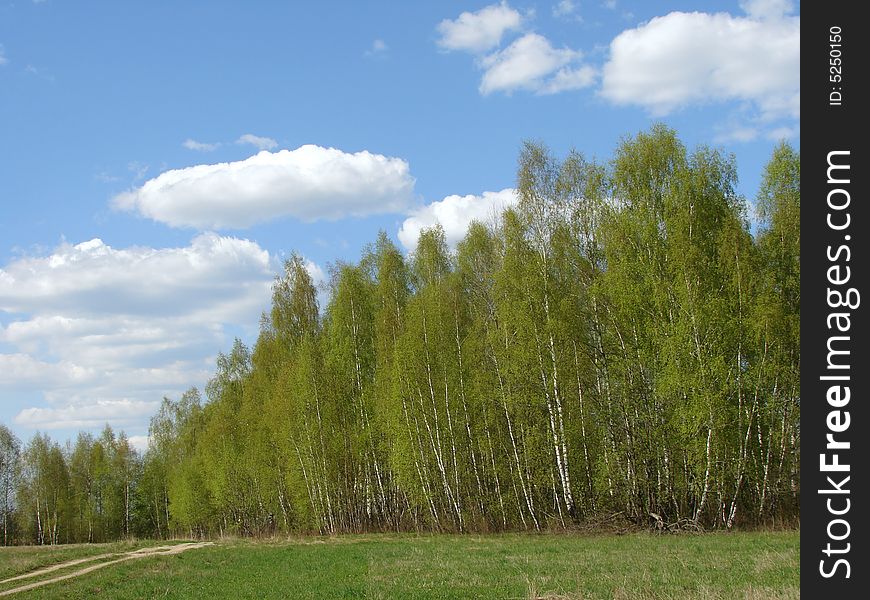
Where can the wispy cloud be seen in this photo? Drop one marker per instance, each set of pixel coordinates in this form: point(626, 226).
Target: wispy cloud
point(262, 143)
point(379, 48)
point(137, 169)
point(41, 73)
point(191, 144)
point(736, 133)
point(104, 177)
point(784, 133)
point(567, 9)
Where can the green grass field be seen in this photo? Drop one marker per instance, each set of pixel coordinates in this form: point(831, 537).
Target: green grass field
point(755, 565)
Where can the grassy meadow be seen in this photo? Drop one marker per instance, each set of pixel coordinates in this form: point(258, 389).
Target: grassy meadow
point(751, 565)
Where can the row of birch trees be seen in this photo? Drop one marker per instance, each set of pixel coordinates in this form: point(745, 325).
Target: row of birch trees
point(620, 342)
point(82, 492)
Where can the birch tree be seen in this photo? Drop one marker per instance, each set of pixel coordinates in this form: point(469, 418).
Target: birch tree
point(10, 455)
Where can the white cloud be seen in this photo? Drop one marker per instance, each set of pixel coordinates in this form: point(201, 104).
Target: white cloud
point(308, 183)
point(689, 58)
point(316, 272)
point(105, 333)
point(94, 279)
point(261, 143)
point(479, 31)
point(117, 412)
point(21, 371)
point(139, 442)
point(3, 59)
point(379, 47)
point(783, 133)
point(41, 73)
point(455, 213)
point(104, 177)
point(531, 63)
point(137, 169)
point(565, 8)
point(320, 280)
point(199, 146)
point(567, 79)
point(767, 9)
point(736, 133)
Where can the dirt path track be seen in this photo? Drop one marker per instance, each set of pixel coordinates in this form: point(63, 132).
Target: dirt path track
point(141, 553)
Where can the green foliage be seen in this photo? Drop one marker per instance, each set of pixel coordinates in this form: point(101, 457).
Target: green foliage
point(10, 457)
point(620, 342)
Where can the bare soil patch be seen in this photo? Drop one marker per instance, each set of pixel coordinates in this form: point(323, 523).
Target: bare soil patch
point(134, 554)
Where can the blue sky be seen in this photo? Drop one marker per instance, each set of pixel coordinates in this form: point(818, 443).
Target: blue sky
point(157, 160)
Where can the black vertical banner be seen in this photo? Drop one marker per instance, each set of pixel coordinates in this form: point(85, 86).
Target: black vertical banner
point(835, 421)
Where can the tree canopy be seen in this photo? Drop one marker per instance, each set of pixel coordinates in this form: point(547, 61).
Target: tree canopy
point(620, 341)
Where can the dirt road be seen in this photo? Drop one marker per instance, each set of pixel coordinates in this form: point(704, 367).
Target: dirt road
point(121, 557)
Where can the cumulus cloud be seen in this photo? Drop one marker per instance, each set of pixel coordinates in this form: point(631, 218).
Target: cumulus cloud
point(105, 333)
point(308, 183)
point(94, 279)
point(199, 146)
point(567, 79)
point(478, 31)
point(139, 442)
point(92, 415)
point(318, 275)
point(21, 371)
point(532, 63)
point(455, 213)
point(261, 143)
point(689, 58)
point(529, 63)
